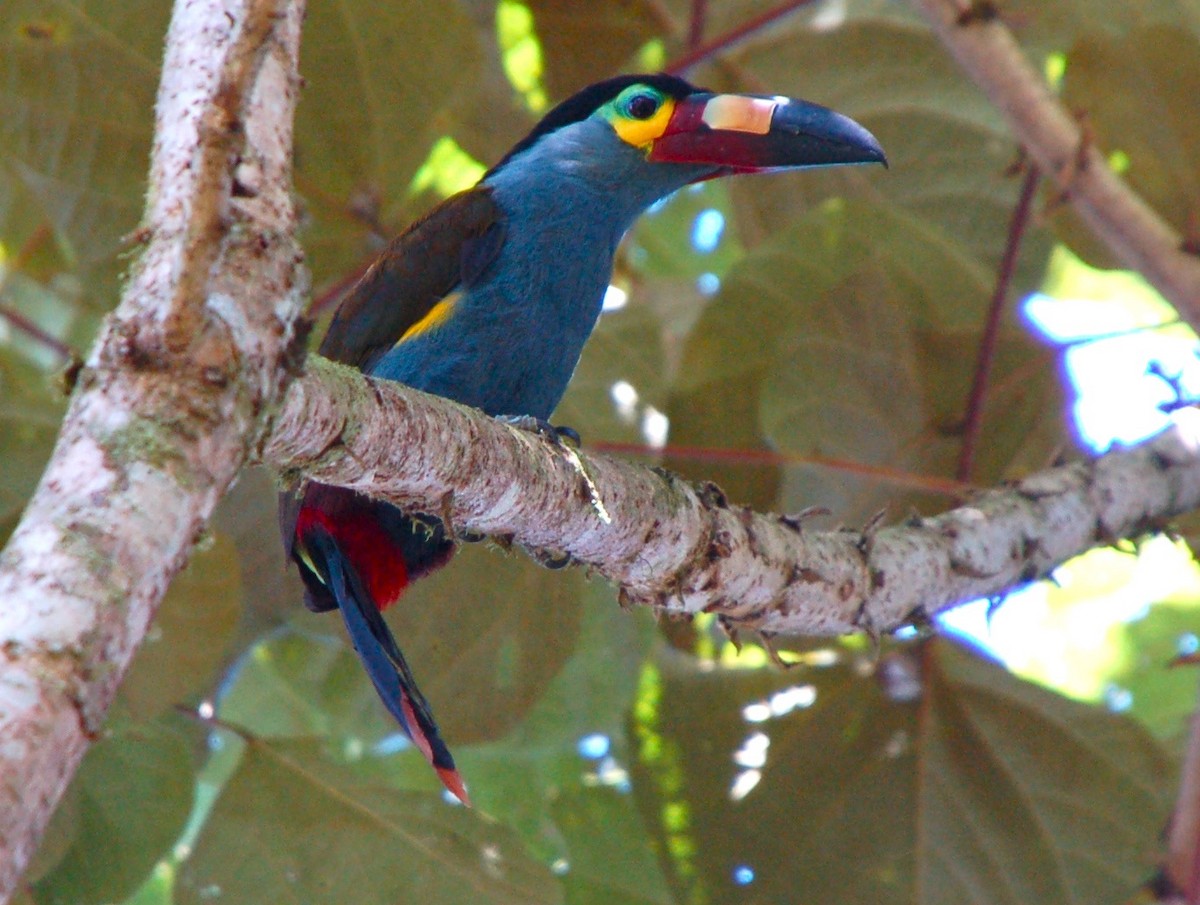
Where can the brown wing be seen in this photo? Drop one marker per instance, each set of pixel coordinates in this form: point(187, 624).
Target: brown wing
point(447, 248)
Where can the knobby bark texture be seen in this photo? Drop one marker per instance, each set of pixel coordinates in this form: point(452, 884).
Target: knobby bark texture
point(975, 34)
point(200, 348)
point(169, 402)
point(684, 547)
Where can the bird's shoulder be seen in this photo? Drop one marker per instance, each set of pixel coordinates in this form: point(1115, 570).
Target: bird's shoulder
point(446, 250)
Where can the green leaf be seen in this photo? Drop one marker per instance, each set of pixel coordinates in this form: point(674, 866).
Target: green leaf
point(271, 590)
point(589, 875)
point(381, 81)
point(187, 642)
point(625, 346)
point(30, 411)
point(294, 826)
point(949, 151)
point(130, 801)
point(1139, 88)
point(592, 694)
point(854, 334)
point(581, 45)
point(1162, 696)
point(300, 683)
point(499, 626)
point(939, 778)
point(494, 624)
point(76, 112)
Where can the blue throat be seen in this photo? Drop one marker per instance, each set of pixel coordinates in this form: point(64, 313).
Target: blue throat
point(514, 337)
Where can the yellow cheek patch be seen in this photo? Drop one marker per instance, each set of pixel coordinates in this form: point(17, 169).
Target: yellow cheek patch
point(732, 113)
point(437, 316)
point(641, 132)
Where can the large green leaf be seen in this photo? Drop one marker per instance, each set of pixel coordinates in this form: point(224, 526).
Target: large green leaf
point(948, 149)
point(301, 683)
point(126, 806)
point(187, 643)
point(518, 777)
point(76, 111)
point(625, 346)
point(498, 626)
point(30, 410)
point(589, 877)
point(1161, 695)
point(292, 825)
point(381, 80)
point(582, 45)
point(855, 333)
point(936, 778)
point(1138, 89)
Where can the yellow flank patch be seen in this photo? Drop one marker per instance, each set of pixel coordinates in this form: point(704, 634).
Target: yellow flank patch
point(640, 132)
point(307, 560)
point(437, 315)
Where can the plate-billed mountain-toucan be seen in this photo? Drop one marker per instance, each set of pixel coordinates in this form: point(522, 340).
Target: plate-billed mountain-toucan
point(490, 297)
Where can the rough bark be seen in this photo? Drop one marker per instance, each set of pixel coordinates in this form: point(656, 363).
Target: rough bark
point(686, 548)
point(198, 351)
point(167, 405)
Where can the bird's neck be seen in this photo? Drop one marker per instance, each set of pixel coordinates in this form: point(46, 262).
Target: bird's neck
point(517, 333)
point(582, 178)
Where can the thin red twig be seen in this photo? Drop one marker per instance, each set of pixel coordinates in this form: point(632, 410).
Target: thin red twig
point(927, 483)
point(973, 418)
point(696, 25)
point(335, 292)
point(20, 322)
point(733, 36)
point(1183, 839)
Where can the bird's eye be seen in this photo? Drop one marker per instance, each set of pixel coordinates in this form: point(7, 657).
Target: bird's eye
point(642, 106)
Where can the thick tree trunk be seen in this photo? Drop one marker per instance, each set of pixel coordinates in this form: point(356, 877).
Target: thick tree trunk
point(170, 400)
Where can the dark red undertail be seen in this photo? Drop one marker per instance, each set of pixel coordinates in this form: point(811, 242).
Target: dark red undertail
point(358, 555)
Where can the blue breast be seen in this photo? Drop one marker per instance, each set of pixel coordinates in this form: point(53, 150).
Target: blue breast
point(515, 336)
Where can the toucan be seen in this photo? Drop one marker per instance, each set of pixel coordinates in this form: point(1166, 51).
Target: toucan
point(489, 298)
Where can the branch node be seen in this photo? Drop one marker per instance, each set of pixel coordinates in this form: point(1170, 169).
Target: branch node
point(768, 645)
point(866, 538)
point(712, 496)
point(796, 521)
point(730, 631)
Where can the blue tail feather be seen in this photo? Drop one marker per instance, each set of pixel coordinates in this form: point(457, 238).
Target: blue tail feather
point(381, 656)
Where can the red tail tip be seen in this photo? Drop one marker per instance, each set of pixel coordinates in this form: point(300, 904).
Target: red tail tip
point(452, 781)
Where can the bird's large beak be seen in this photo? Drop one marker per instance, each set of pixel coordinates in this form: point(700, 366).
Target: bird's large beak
point(751, 133)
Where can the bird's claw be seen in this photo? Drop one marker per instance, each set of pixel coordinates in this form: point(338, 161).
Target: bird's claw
point(563, 436)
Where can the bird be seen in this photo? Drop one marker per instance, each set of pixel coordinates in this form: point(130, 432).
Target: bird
point(488, 300)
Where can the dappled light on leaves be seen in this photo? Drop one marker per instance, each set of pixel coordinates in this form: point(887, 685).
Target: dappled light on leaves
point(899, 799)
point(622, 757)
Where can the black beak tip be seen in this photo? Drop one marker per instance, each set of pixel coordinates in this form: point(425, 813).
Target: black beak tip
point(832, 137)
point(861, 146)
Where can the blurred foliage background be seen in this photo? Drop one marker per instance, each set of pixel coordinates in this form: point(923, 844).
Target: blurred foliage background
point(754, 324)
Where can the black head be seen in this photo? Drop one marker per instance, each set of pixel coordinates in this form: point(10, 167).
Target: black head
point(584, 103)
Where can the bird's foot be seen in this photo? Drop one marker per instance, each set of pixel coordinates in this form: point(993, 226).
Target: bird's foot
point(568, 440)
point(564, 436)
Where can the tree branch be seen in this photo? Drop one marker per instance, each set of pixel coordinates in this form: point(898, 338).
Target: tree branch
point(685, 548)
point(171, 398)
point(1135, 233)
point(698, 53)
